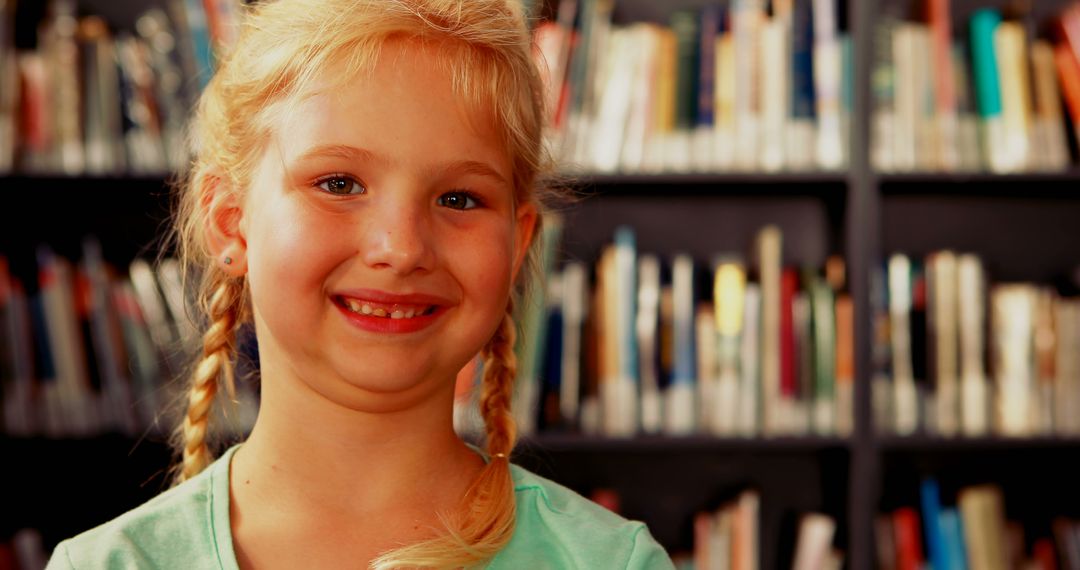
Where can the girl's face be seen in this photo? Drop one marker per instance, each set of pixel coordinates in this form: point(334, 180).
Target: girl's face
point(382, 236)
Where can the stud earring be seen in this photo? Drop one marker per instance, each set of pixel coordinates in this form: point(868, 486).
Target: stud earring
point(228, 260)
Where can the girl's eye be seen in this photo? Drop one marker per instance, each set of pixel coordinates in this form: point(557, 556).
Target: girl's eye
point(458, 200)
point(341, 186)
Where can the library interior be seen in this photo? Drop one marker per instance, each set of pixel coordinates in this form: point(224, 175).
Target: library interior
point(814, 303)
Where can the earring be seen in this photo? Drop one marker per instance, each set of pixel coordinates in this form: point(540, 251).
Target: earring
point(228, 260)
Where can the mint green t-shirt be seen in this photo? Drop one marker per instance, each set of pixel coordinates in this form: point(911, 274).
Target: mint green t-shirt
point(187, 527)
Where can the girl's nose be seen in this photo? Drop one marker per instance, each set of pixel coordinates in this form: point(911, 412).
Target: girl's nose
point(397, 235)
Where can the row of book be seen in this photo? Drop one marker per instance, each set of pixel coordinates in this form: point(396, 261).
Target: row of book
point(93, 100)
point(990, 101)
point(632, 347)
point(972, 533)
point(956, 355)
point(91, 351)
point(731, 86)
point(730, 539)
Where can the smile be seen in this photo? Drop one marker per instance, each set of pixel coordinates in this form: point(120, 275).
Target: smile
point(385, 310)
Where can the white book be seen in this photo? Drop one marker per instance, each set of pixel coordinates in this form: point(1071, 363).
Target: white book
point(648, 339)
point(827, 85)
point(748, 511)
point(946, 323)
point(575, 291)
point(644, 49)
point(769, 249)
point(705, 337)
point(729, 299)
point(814, 543)
point(615, 90)
point(747, 18)
point(726, 94)
point(905, 395)
point(679, 416)
point(1012, 326)
point(774, 92)
point(974, 392)
point(749, 392)
point(172, 287)
point(75, 398)
point(1010, 45)
point(907, 110)
point(720, 539)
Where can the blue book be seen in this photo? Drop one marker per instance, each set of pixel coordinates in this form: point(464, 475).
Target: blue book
point(802, 61)
point(952, 533)
point(984, 62)
point(710, 27)
point(626, 268)
point(931, 506)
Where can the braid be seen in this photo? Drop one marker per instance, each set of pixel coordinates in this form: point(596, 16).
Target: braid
point(216, 363)
point(500, 368)
point(484, 522)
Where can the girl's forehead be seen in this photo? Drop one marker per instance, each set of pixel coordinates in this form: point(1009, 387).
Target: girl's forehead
point(408, 101)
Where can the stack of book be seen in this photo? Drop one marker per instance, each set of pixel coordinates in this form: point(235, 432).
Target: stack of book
point(972, 534)
point(729, 87)
point(89, 351)
point(954, 355)
point(990, 101)
point(90, 100)
point(766, 350)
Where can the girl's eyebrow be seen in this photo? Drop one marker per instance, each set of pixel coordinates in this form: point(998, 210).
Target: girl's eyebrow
point(456, 167)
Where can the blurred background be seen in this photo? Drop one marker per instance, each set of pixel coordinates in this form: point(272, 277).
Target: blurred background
point(815, 308)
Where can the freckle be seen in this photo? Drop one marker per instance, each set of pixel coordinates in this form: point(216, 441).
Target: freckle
point(248, 482)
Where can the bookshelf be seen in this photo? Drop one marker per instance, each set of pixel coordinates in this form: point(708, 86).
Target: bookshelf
point(856, 211)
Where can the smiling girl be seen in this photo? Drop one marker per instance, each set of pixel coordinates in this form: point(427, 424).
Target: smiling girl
point(365, 192)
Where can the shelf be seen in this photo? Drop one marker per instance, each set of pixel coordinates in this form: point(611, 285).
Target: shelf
point(1064, 184)
point(575, 443)
point(824, 185)
point(977, 444)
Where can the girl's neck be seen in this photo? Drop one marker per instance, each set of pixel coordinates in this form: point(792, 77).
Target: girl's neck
point(309, 454)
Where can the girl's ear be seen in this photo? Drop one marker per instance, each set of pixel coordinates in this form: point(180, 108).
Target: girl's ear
point(523, 230)
point(222, 215)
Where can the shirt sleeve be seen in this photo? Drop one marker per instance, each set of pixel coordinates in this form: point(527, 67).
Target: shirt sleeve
point(60, 559)
point(647, 553)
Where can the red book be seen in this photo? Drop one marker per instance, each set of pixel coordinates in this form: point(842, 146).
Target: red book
point(1068, 69)
point(1043, 553)
point(909, 554)
point(789, 382)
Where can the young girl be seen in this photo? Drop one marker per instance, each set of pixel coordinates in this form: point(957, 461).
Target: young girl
point(365, 193)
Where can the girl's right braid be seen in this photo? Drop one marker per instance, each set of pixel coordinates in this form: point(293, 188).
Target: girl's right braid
point(216, 363)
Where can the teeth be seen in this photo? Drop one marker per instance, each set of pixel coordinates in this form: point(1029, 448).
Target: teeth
point(365, 309)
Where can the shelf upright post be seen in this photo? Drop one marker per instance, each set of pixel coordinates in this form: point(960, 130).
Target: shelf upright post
point(863, 235)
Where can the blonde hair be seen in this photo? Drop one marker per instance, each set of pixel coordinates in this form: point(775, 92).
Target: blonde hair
point(284, 47)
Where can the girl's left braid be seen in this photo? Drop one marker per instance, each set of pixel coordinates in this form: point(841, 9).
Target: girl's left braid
point(214, 366)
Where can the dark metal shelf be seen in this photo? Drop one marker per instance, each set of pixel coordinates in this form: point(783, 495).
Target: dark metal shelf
point(1064, 184)
point(919, 443)
point(662, 444)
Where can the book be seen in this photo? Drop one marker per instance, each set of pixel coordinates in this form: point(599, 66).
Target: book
point(814, 542)
point(648, 338)
point(680, 417)
point(905, 395)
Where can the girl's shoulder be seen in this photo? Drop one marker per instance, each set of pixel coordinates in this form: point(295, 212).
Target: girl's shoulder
point(173, 530)
point(558, 528)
